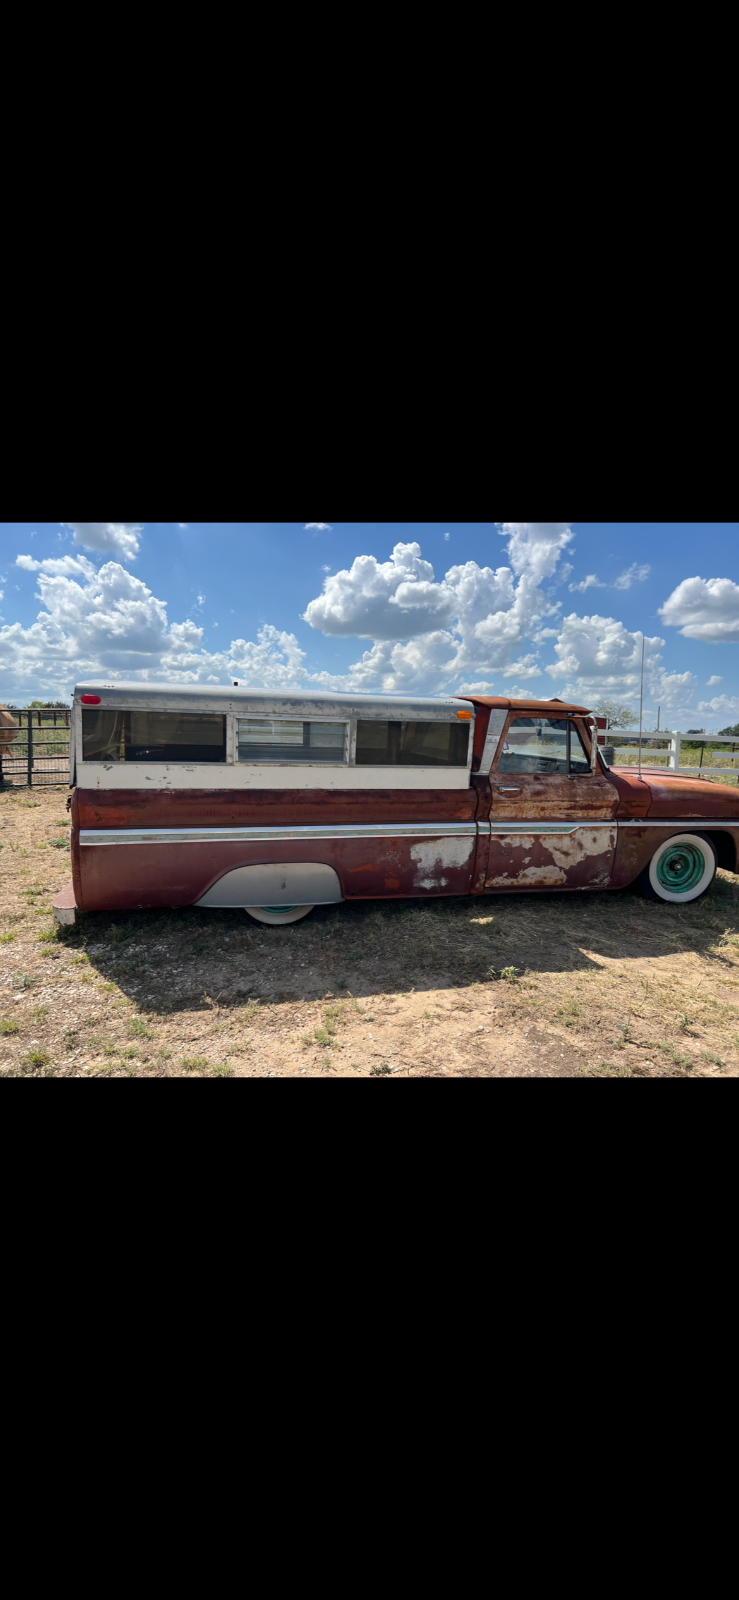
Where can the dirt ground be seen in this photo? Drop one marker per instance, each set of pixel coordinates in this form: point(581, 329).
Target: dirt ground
point(545, 986)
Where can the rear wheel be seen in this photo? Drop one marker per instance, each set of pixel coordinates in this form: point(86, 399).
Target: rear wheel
point(277, 914)
point(680, 870)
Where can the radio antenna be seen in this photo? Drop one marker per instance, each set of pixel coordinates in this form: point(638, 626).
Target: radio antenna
point(641, 700)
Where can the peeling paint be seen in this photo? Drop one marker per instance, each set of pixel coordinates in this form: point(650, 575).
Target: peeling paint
point(434, 856)
point(567, 850)
point(581, 859)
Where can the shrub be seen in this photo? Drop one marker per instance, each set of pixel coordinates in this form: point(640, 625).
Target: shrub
point(37, 1058)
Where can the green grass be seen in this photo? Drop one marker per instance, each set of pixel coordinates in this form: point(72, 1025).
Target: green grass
point(36, 1058)
point(139, 1029)
point(194, 1063)
point(679, 1057)
point(9, 1025)
point(6, 938)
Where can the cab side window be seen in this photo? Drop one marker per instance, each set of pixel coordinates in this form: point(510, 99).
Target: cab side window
point(539, 744)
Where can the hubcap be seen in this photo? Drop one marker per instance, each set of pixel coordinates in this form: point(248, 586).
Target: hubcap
point(679, 870)
point(274, 909)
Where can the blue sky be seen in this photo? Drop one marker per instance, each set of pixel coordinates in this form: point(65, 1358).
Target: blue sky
point(432, 607)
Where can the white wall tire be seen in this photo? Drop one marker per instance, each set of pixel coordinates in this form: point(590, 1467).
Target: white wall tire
point(277, 916)
point(681, 869)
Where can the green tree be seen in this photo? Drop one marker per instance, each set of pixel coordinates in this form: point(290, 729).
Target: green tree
point(729, 733)
point(617, 716)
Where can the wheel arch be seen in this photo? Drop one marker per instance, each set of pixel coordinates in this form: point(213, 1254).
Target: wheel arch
point(725, 845)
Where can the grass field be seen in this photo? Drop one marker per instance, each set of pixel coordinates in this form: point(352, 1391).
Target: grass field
point(596, 985)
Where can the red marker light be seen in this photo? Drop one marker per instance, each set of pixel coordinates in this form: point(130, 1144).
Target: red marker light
point(90, 699)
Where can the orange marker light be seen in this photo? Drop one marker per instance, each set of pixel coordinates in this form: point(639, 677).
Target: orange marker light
point(464, 716)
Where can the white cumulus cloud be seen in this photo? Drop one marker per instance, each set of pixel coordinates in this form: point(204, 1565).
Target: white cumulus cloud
point(115, 538)
point(428, 634)
point(633, 574)
point(722, 704)
point(527, 667)
point(598, 657)
point(58, 566)
point(714, 680)
point(704, 608)
point(318, 525)
point(534, 548)
point(107, 623)
point(591, 582)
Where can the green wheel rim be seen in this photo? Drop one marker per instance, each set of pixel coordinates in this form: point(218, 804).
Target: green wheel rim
point(681, 868)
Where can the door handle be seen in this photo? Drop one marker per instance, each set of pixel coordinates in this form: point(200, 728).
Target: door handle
point(509, 789)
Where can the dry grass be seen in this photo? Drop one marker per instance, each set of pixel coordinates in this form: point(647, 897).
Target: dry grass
point(594, 985)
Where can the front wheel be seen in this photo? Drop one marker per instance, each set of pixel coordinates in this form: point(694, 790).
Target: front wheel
point(277, 914)
point(680, 870)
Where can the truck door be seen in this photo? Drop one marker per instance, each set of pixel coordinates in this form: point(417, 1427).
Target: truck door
point(552, 818)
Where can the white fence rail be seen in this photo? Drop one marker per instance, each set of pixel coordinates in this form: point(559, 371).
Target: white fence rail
point(672, 749)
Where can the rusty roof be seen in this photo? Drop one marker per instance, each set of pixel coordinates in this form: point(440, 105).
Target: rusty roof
point(540, 707)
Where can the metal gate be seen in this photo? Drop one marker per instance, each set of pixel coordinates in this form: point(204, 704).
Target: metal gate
point(39, 753)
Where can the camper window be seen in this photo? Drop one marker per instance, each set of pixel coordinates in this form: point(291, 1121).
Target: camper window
point(275, 739)
point(412, 744)
point(152, 736)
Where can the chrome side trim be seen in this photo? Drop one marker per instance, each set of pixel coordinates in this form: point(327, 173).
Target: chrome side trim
point(383, 830)
point(545, 827)
point(678, 822)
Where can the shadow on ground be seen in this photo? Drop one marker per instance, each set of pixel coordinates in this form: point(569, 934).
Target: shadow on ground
point(167, 960)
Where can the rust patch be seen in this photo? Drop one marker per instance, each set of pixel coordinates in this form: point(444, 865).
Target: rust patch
point(579, 860)
point(529, 875)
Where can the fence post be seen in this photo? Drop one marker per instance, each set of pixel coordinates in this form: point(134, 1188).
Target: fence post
point(673, 763)
point(30, 749)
